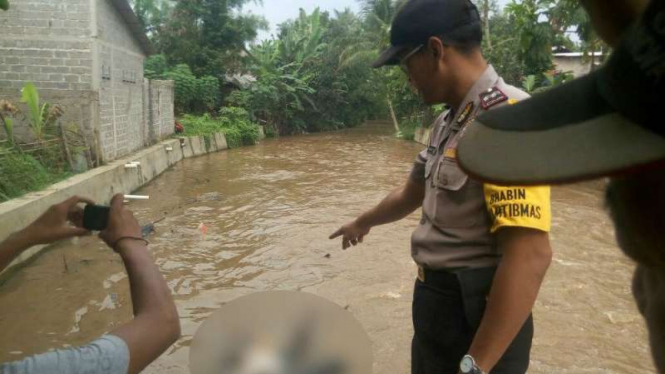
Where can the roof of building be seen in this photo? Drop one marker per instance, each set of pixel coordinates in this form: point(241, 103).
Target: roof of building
point(125, 10)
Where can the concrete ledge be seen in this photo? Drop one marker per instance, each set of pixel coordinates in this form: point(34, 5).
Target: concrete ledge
point(102, 183)
point(422, 136)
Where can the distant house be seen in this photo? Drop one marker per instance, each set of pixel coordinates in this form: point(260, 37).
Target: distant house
point(577, 62)
point(87, 56)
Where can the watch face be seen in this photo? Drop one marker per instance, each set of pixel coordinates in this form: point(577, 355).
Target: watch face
point(466, 366)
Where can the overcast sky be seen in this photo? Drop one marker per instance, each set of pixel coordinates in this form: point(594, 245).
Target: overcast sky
point(278, 11)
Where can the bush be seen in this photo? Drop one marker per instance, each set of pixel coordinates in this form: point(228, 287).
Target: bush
point(20, 174)
point(233, 122)
point(408, 130)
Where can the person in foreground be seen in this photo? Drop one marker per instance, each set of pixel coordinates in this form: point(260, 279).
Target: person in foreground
point(129, 348)
point(611, 126)
point(482, 250)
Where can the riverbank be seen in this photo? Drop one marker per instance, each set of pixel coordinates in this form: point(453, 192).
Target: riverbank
point(125, 175)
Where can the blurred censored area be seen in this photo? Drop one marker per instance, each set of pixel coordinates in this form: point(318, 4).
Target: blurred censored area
point(281, 332)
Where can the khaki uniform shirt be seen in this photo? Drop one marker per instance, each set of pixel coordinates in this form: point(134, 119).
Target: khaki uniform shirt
point(461, 215)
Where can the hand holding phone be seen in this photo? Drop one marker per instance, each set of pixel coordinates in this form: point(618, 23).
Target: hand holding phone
point(96, 217)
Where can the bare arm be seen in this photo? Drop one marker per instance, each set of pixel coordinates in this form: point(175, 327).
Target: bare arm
point(397, 205)
point(155, 326)
point(59, 222)
point(526, 257)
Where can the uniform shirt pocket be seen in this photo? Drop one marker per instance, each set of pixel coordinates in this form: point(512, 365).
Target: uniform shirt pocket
point(459, 200)
point(449, 175)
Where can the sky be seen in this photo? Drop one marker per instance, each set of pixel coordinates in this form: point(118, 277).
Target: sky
point(278, 11)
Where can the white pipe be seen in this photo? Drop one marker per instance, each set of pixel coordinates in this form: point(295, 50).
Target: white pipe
point(136, 197)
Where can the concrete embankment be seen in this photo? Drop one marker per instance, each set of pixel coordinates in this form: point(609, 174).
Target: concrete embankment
point(102, 183)
point(422, 135)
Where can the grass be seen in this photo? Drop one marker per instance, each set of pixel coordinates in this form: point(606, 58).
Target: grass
point(234, 123)
point(21, 173)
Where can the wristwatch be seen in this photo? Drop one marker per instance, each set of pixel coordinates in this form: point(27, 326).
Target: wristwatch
point(468, 366)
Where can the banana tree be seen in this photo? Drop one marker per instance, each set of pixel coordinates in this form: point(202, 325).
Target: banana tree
point(41, 117)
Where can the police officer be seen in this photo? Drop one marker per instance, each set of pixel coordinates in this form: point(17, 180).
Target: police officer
point(482, 250)
point(611, 126)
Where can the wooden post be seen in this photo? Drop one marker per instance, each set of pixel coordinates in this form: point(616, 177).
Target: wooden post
point(65, 146)
point(392, 114)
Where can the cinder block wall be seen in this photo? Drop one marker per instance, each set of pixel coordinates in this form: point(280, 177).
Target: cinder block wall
point(48, 43)
point(159, 115)
point(82, 55)
point(121, 88)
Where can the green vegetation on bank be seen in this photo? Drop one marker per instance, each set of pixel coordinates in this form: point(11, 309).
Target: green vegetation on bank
point(314, 74)
point(234, 123)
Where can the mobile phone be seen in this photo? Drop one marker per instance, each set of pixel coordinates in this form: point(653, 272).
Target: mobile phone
point(96, 217)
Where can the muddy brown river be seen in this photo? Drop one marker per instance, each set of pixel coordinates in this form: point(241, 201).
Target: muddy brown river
point(269, 210)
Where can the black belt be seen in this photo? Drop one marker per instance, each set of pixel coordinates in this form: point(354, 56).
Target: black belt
point(476, 281)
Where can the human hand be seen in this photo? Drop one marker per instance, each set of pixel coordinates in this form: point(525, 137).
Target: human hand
point(60, 221)
point(122, 224)
point(352, 233)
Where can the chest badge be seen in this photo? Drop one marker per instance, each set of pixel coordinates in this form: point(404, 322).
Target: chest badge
point(466, 113)
point(492, 97)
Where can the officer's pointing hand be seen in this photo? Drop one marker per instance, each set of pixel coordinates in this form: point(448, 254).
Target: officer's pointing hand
point(351, 233)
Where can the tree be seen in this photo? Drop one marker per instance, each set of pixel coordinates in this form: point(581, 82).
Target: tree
point(535, 34)
point(208, 35)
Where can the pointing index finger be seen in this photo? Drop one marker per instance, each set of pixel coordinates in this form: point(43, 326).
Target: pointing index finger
point(336, 234)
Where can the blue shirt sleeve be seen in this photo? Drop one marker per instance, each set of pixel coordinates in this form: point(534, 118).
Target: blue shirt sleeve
point(106, 355)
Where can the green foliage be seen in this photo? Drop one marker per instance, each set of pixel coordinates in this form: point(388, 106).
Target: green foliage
point(233, 122)
point(529, 83)
point(20, 174)
point(4, 4)
point(534, 33)
point(407, 130)
point(155, 67)
point(193, 94)
point(41, 117)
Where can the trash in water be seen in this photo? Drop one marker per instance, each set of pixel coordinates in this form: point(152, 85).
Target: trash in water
point(147, 230)
point(203, 229)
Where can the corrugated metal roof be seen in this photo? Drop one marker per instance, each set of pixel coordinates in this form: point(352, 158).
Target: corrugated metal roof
point(125, 10)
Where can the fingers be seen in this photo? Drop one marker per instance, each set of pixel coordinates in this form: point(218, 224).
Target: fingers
point(73, 201)
point(117, 202)
point(71, 232)
point(337, 233)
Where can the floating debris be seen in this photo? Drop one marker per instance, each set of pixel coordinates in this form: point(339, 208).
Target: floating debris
point(327, 256)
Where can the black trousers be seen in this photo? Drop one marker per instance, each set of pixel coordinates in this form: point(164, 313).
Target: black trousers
point(447, 310)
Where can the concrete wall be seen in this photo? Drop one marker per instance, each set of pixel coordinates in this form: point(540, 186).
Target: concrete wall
point(574, 64)
point(159, 115)
point(121, 101)
point(102, 183)
point(48, 43)
point(422, 136)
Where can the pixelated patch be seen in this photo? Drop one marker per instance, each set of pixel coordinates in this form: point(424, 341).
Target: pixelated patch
point(450, 153)
point(466, 113)
point(431, 150)
point(513, 101)
point(492, 97)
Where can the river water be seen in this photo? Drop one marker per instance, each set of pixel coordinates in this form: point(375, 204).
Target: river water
point(268, 211)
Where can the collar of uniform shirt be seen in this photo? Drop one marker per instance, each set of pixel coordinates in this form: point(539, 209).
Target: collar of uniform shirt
point(487, 80)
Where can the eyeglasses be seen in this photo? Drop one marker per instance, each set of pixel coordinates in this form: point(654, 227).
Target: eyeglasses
point(403, 62)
